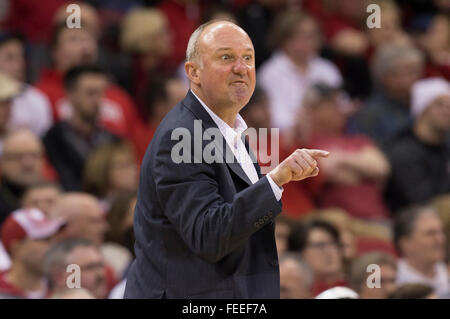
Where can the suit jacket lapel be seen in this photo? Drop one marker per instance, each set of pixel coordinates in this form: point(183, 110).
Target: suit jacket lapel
point(191, 102)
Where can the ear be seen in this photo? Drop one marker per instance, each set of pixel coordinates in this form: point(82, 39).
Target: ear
point(192, 72)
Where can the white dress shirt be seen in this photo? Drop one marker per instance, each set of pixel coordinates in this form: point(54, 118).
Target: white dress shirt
point(234, 141)
point(285, 85)
point(440, 282)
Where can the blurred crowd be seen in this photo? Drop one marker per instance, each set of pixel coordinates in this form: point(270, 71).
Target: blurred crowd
point(79, 106)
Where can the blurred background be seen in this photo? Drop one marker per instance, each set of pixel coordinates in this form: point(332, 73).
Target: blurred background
point(78, 108)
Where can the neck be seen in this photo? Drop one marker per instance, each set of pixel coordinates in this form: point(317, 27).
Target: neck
point(227, 114)
point(301, 62)
point(427, 133)
point(426, 269)
point(24, 279)
point(81, 126)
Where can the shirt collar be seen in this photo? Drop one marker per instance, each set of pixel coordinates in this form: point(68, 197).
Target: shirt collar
point(239, 123)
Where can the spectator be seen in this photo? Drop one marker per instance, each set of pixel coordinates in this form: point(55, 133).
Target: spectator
point(79, 252)
point(86, 220)
point(296, 278)
point(294, 66)
point(319, 245)
point(41, 195)
point(356, 169)
point(163, 93)
point(9, 89)
point(69, 143)
point(184, 17)
point(282, 231)
point(110, 170)
point(21, 165)
point(391, 31)
point(120, 220)
point(26, 235)
point(84, 216)
point(420, 242)
point(271, 148)
point(74, 47)
point(146, 35)
point(420, 153)
point(360, 272)
point(431, 33)
point(386, 111)
point(256, 18)
point(30, 108)
point(414, 291)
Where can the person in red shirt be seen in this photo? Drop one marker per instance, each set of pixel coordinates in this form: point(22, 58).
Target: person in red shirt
point(297, 199)
point(73, 47)
point(26, 235)
point(162, 94)
point(354, 175)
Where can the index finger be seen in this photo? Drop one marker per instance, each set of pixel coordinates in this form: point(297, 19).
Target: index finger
point(317, 153)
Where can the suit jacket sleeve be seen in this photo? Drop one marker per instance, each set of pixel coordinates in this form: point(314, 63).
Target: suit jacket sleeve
point(190, 198)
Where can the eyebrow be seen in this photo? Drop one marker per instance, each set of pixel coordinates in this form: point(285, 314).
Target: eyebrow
point(227, 49)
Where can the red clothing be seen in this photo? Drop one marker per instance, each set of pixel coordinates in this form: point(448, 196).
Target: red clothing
point(363, 200)
point(296, 199)
point(142, 135)
point(118, 113)
point(34, 19)
point(183, 21)
point(7, 288)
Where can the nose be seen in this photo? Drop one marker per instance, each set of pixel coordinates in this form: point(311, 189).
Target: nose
point(240, 67)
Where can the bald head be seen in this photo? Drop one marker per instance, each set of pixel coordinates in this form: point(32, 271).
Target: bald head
point(221, 67)
point(22, 158)
point(205, 34)
point(85, 217)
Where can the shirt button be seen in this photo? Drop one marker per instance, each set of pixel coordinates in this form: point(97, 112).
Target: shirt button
point(256, 224)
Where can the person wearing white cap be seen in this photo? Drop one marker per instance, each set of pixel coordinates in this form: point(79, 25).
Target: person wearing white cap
point(26, 235)
point(420, 154)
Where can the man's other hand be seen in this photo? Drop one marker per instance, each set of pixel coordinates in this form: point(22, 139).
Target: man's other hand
point(301, 164)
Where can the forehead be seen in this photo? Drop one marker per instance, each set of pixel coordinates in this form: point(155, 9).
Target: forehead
point(225, 36)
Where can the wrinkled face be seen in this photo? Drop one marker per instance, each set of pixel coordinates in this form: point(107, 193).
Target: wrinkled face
point(439, 113)
point(42, 198)
point(75, 47)
point(427, 242)
point(12, 60)
point(293, 282)
point(93, 275)
point(322, 254)
point(87, 95)
point(399, 80)
point(22, 160)
point(123, 172)
point(225, 70)
point(387, 284)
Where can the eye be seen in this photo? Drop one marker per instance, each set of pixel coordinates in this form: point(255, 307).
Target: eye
point(225, 57)
point(248, 57)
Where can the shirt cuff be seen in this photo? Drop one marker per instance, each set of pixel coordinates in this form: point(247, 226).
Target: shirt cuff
point(277, 191)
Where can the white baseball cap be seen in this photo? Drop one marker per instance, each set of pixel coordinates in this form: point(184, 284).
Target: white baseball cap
point(424, 92)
